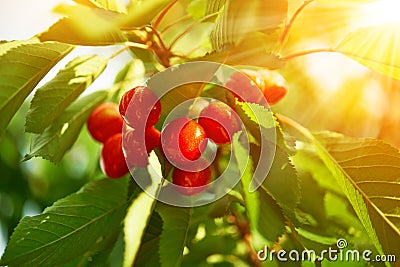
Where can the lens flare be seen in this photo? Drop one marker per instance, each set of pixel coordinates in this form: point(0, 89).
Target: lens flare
point(382, 11)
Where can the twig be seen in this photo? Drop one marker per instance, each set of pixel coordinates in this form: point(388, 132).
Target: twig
point(308, 52)
point(117, 53)
point(288, 27)
point(163, 13)
point(244, 230)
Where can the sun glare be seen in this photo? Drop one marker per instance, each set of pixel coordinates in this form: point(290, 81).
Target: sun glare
point(382, 11)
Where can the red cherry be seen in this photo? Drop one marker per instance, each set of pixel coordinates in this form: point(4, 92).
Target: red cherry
point(137, 148)
point(140, 107)
point(275, 86)
point(112, 158)
point(125, 100)
point(153, 139)
point(104, 122)
point(246, 86)
point(272, 85)
point(183, 140)
point(220, 122)
point(191, 180)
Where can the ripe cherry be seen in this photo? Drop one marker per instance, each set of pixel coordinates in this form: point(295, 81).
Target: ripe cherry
point(104, 122)
point(183, 140)
point(126, 99)
point(140, 107)
point(152, 139)
point(191, 181)
point(246, 86)
point(112, 159)
point(272, 85)
point(220, 122)
point(137, 147)
point(275, 86)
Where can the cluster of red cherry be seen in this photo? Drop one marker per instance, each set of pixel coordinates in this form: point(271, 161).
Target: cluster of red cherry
point(183, 140)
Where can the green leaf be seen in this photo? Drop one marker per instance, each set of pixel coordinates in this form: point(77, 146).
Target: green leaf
point(140, 210)
point(80, 224)
point(282, 181)
point(135, 224)
point(375, 47)
point(5, 45)
point(262, 124)
point(112, 5)
point(85, 26)
point(21, 69)
point(54, 97)
point(367, 170)
point(239, 18)
point(197, 9)
point(132, 74)
point(214, 6)
point(148, 254)
point(209, 245)
point(176, 222)
point(141, 13)
point(261, 207)
point(59, 137)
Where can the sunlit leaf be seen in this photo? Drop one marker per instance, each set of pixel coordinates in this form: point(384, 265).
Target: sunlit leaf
point(239, 18)
point(135, 224)
point(213, 6)
point(59, 137)
point(21, 69)
point(141, 13)
point(112, 5)
point(148, 254)
point(322, 23)
point(346, 1)
point(252, 51)
point(51, 99)
point(7, 45)
point(100, 27)
point(80, 224)
point(367, 171)
point(176, 222)
point(375, 47)
point(140, 210)
point(132, 74)
point(196, 42)
point(197, 8)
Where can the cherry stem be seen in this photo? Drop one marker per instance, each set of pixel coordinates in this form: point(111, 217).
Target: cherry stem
point(163, 14)
point(285, 33)
point(308, 52)
point(243, 227)
point(117, 53)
